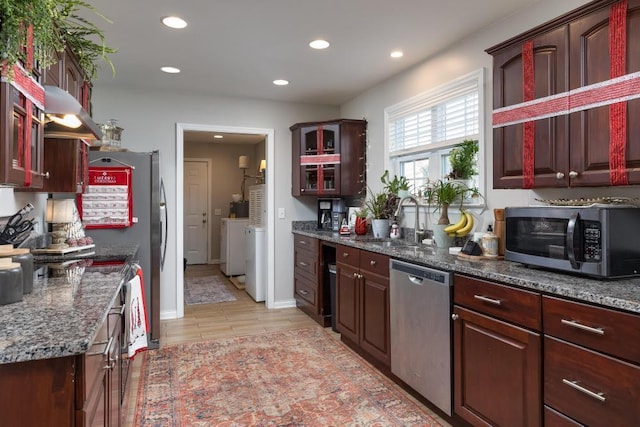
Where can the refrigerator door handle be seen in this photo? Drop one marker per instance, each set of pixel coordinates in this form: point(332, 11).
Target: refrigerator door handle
point(163, 207)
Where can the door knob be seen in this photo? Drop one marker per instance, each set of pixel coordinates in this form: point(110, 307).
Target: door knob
point(204, 220)
point(204, 214)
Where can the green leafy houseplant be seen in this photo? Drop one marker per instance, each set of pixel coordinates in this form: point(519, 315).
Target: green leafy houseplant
point(443, 193)
point(463, 160)
point(381, 205)
point(395, 184)
point(56, 25)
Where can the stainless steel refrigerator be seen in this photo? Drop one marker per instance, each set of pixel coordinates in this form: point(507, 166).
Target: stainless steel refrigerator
point(147, 227)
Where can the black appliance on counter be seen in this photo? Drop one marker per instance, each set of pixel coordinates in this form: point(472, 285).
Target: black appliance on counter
point(331, 212)
point(597, 240)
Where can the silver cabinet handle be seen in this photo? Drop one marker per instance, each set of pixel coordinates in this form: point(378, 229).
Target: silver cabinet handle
point(303, 292)
point(559, 175)
point(302, 242)
point(345, 254)
point(355, 275)
point(573, 174)
point(577, 325)
point(455, 316)
point(574, 384)
point(487, 299)
point(372, 262)
point(303, 264)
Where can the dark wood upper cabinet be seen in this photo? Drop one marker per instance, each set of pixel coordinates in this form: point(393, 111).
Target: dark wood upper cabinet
point(570, 52)
point(328, 158)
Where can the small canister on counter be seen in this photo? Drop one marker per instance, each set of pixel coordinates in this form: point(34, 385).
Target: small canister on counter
point(10, 281)
point(24, 258)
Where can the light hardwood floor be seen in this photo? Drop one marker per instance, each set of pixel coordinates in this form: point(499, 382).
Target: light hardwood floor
point(221, 320)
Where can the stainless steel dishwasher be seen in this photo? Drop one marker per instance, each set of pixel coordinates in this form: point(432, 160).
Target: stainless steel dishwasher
point(421, 330)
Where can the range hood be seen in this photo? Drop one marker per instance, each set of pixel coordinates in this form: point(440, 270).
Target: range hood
point(58, 104)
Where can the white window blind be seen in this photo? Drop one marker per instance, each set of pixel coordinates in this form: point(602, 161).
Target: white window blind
point(443, 116)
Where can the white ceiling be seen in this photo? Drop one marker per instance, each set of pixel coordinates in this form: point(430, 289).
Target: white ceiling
point(238, 47)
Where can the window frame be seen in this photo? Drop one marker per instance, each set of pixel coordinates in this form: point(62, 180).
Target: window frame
point(436, 151)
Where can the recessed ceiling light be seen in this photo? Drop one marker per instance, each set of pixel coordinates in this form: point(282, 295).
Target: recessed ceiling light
point(170, 70)
point(397, 54)
point(174, 22)
point(218, 136)
point(281, 82)
point(319, 44)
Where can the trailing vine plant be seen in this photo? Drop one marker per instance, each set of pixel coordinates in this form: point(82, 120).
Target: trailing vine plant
point(57, 24)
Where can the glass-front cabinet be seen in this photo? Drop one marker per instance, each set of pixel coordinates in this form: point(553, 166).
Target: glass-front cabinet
point(21, 139)
point(329, 158)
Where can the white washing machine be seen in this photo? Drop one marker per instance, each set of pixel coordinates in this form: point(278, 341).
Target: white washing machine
point(256, 268)
point(233, 250)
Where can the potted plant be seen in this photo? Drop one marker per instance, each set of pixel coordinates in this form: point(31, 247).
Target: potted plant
point(398, 185)
point(381, 206)
point(54, 25)
point(463, 159)
point(441, 194)
point(360, 226)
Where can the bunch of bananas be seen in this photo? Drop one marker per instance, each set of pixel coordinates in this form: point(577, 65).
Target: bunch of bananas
point(462, 227)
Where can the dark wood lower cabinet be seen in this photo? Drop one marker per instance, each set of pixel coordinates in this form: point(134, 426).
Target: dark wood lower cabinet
point(81, 391)
point(362, 302)
point(497, 371)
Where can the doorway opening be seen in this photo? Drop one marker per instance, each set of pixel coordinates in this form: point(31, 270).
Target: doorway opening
point(269, 149)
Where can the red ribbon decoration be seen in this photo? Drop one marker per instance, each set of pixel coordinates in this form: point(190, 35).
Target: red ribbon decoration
point(528, 128)
point(320, 141)
point(618, 111)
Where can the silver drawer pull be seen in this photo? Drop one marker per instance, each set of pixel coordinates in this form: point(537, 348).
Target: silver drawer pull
point(106, 351)
point(302, 242)
point(345, 254)
point(487, 299)
point(303, 264)
point(574, 384)
point(303, 292)
point(372, 262)
point(577, 325)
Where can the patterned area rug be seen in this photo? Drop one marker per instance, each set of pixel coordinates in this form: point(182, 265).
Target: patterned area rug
point(302, 377)
point(206, 290)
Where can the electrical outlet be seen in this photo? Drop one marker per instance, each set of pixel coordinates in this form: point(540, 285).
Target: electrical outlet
point(217, 211)
point(281, 213)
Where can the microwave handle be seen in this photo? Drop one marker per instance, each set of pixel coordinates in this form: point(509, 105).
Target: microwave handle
point(570, 239)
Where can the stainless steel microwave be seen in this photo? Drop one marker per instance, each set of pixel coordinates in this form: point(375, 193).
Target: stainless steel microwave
point(600, 240)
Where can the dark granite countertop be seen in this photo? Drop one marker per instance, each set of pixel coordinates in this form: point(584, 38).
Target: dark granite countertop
point(69, 302)
point(623, 294)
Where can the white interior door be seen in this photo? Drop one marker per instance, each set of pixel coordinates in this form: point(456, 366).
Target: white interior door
point(196, 211)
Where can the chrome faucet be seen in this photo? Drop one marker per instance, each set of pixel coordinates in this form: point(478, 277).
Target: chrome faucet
point(416, 229)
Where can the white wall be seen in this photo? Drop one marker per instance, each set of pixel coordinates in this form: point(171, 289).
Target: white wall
point(149, 122)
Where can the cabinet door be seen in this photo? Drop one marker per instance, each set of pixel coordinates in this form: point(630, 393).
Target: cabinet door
point(497, 371)
point(550, 135)
point(15, 163)
point(65, 164)
point(319, 160)
point(73, 79)
point(53, 75)
point(353, 158)
point(347, 298)
point(374, 316)
point(589, 129)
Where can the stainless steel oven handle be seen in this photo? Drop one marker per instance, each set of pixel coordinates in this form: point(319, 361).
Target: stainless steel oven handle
point(570, 239)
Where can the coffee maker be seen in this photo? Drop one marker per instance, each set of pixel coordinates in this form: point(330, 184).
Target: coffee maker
point(331, 213)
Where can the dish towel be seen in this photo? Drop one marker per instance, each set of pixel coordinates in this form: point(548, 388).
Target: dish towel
point(136, 315)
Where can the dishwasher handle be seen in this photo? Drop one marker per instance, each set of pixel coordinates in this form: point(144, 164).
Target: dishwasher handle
point(415, 279)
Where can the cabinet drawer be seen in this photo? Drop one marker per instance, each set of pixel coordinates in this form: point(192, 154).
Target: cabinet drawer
point(374, 263)
point(91, 365)
point(553, 418)
point(306, 263)
point(305, 289)
point(304, 242)
point(510, 304)
point(590, 387)
point(601, 329)
point(348, 255)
